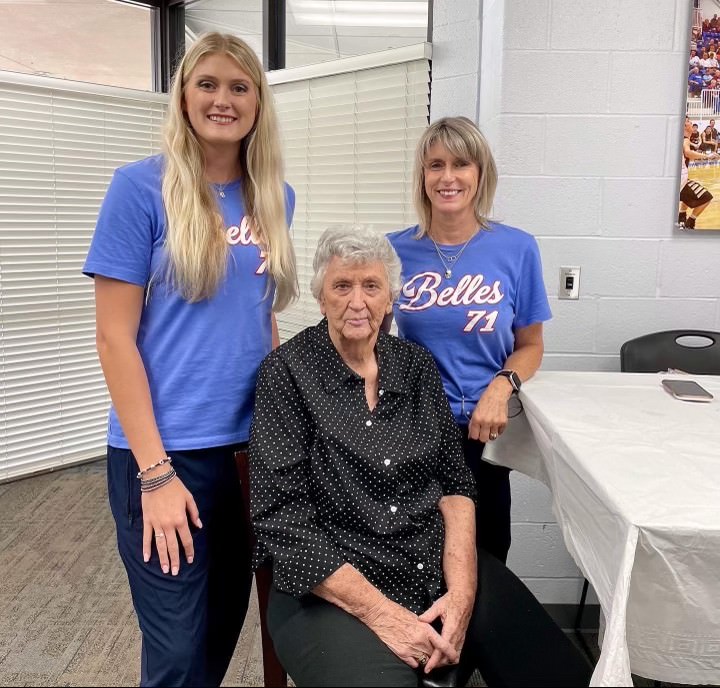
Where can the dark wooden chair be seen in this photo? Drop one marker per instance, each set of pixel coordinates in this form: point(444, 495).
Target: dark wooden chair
point(274, 676)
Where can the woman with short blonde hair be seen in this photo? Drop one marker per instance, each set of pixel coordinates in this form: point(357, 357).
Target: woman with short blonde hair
point(463, 139)
point(191, 255)
point(473, 294)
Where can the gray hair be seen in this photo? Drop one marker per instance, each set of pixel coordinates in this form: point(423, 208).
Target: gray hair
point(355, 244)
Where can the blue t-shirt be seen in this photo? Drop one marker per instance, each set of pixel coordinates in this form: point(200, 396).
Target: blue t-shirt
point(201, 358)
point(467, 321)
point(696, 79)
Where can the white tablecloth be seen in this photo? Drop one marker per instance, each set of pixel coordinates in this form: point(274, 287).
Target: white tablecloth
point(635, 478)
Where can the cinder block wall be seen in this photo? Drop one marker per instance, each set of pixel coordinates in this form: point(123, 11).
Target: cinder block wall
point(582, 102)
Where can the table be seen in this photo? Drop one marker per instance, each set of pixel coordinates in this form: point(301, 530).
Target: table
point(635, 481)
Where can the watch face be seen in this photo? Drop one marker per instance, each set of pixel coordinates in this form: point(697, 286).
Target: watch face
point(513, 378)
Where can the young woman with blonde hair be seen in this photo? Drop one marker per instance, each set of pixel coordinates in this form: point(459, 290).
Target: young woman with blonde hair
point(191, 254)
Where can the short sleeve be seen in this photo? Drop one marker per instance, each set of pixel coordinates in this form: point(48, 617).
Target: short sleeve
point(122, 244)
point(531, 305)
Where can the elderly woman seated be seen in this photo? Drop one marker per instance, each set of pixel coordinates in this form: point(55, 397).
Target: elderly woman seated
point(363, 503)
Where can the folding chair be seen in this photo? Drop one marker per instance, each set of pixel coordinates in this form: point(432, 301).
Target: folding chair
point(692, 351)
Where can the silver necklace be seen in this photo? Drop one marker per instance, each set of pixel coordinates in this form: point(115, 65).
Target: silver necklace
point(451, 259)
point(221, 189)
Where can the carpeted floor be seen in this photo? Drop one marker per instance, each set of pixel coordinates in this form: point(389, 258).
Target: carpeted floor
point(65, 609)
point(67, 618)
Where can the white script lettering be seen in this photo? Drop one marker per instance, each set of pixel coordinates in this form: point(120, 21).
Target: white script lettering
point(243, 235)
point(422, 292)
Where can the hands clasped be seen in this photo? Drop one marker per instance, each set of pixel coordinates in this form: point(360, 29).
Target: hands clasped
point(414, 640)
point(454, 610)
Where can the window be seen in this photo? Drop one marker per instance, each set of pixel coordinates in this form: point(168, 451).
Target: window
point(316, 30)
point(95, 41)
point(242, 18)
point(322, 30)
point(349, 130)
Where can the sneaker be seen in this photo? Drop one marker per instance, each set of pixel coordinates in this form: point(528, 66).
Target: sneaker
point(682, 217)
point(690, 223)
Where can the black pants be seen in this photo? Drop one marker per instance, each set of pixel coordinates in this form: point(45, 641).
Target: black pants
point(510, 639)
point(492, 509)
point(190, 623)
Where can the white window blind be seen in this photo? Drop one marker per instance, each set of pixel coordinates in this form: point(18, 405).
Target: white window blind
point(348, 145)
point(59, 144)
point(349, 142)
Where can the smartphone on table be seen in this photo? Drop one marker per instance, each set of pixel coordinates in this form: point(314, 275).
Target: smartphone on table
point(687, 390)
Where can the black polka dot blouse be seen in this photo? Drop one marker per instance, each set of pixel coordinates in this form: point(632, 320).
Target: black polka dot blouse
point(333, 482)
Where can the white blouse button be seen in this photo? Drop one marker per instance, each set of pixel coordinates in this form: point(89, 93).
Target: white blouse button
point(421, 567)
point(368, 423)
point(393, 509)
point(387, 462)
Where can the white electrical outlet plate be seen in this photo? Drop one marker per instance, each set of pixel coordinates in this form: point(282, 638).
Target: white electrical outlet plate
point(569, 287)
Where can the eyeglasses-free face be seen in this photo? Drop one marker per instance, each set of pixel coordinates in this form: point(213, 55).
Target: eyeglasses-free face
point(221, 102)
point(355, 298)
point(451, 183)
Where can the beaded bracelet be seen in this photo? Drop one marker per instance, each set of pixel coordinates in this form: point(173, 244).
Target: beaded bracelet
point(167, 459)
point(149, 482)
point(158, 482)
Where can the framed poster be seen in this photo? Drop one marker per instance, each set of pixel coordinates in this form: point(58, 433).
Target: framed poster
point(699, 191)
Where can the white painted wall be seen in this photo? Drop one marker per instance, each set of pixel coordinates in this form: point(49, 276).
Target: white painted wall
point(581, 101)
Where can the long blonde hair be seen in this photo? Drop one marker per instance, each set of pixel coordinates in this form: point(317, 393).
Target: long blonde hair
point(464, 140)
point(195, 239)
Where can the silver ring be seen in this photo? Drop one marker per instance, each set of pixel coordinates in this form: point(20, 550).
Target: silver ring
point(159, 535)
point(493, 436)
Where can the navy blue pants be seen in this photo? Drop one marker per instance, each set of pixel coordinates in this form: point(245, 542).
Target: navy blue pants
point(190, 623)
point(492, 509)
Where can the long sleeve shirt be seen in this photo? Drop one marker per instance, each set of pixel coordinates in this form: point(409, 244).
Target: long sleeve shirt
point(334, 482)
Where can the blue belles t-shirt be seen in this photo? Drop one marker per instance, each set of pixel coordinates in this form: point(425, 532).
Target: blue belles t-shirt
point(468, 321)
point(201, 358)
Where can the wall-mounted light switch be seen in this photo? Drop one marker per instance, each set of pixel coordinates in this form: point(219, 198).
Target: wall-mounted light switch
point(569, 287)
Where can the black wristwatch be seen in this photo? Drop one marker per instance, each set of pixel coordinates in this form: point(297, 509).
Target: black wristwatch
point(512, 377)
